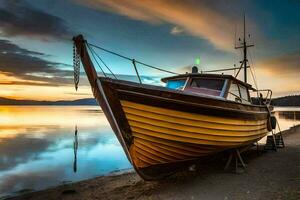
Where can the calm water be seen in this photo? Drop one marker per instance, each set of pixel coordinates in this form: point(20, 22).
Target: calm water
point(37, 145)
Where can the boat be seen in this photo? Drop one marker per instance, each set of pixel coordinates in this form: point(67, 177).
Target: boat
point(195, 115)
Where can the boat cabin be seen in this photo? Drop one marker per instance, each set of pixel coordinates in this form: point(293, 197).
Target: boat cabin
point(214, 85)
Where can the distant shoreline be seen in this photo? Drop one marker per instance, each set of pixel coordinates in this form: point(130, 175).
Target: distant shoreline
point(78, 102)
point(287, 101)
point(46, 105)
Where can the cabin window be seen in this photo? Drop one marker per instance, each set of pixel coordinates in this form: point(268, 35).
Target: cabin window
point(207, 86)
point(177, 84)
point(238, 93)
point(234, 93)
point(244, 94)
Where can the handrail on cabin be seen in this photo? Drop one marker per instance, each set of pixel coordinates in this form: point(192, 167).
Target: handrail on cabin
point(267, 99)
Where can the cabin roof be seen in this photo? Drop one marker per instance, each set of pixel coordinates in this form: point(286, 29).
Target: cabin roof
point(195, 75)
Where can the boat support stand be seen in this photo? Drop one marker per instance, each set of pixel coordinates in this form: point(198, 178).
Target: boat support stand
point(236, 154)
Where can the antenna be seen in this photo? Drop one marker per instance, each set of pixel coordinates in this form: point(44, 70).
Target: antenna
point(235, 35)
point(244, 46)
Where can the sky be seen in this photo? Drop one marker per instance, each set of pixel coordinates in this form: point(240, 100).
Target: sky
point(36, 49)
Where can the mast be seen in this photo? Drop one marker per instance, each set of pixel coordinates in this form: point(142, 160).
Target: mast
point(244, 46)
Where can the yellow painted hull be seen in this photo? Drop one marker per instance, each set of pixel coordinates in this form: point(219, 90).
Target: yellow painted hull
point(163, 136)
point(165, 130)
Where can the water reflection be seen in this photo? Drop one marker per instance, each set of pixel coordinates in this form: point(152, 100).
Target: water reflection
point(287, 116)
point(39, 149)
point(75, 146)
point(292, 115)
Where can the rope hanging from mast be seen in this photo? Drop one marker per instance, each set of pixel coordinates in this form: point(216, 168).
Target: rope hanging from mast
point(76, 66)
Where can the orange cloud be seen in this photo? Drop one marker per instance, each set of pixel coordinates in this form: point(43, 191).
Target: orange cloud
point(281, 74)
point(282, 65)
point(200, 21)
point(8, 79)
point(15, 88)
point(48, 93)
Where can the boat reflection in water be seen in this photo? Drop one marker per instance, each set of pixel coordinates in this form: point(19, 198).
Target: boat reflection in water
point(36, 146)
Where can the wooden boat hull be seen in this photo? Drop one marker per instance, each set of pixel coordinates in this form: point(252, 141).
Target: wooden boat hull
point(161, 129)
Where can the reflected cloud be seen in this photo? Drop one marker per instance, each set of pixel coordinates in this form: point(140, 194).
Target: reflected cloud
point(20, 149)
point(13, 183)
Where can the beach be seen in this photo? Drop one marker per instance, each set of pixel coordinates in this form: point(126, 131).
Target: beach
point(269, 175)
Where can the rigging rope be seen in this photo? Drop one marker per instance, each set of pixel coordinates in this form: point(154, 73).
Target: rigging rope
point(93, 51)
point(220, 70)
point(131, 59)
point(96, 61)
point(241, 67)
point(253, 73)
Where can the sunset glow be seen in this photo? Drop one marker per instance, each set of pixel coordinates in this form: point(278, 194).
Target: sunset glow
point(36, 55)
point(149, 99)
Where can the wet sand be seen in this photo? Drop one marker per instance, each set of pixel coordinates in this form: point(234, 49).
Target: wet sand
point(269, 175)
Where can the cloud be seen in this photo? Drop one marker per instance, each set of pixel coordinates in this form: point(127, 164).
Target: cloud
point(280, 74)
point(17, 62)
point(18, 181)
point(35, 83)
point(18, 18)
point(24, 72)
point(153, 80)
point(185, 69)
point(288, 64)
point(176, 30)
point(11, 156)
point(196, 18)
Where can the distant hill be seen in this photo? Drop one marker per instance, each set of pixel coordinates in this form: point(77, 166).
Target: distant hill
point(280, 101)
point(293, 100)
point(78, 102)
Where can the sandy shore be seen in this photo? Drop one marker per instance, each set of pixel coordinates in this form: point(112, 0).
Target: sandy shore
point(270, 175)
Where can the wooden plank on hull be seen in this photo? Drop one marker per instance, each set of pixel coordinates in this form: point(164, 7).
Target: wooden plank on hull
point(164, 158)
point(141, 122)
point(134, 114)
point(189, 147)
point(156, 130)
point(165, 150)
point(187, 115)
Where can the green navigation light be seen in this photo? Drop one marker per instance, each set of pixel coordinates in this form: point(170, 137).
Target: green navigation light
point(197, 61)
